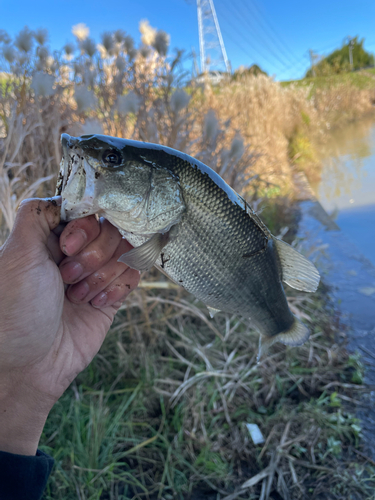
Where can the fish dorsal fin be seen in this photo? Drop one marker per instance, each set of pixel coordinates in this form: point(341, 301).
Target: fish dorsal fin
point(142, 258)
point(256, 219)
point(297, 271)
point(212, 311)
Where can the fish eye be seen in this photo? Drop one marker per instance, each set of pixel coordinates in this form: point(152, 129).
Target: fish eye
point(112, 158)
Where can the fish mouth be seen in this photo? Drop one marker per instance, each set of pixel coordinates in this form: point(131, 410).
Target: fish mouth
point(76, 181)
point(67, 142)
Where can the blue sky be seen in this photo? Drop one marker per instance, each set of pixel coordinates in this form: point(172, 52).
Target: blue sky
point(276, 35)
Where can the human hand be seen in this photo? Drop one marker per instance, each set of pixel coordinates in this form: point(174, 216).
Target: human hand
point(48, 336)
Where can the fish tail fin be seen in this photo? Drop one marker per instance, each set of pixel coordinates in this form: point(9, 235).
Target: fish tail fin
point(297, 335)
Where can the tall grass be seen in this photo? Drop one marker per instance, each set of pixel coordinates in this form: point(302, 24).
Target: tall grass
point(252, 128)
point(110, 88)
point(286, 124)
point(268, 116)
point(161, 413)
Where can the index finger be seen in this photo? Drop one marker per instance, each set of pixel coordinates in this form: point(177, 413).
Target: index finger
point(79, 233)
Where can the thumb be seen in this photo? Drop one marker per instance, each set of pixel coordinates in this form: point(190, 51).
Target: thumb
point(35, 220)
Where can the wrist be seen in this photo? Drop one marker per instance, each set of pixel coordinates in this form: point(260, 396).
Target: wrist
point(22, 419)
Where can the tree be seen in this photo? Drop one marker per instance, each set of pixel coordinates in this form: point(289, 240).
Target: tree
point(339, 60)
point(253, 70)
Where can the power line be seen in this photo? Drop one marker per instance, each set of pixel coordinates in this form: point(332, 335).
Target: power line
point(260, 46)
point(253, 58)
point(331, 47)
point(265, 42)
point(241, 47)
point(283, 70)
point(271, 30)
point(300, 63)
point(270, 34)
point(255, 48)
point(279, 62)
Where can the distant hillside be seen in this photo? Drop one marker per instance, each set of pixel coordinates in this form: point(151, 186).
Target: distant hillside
point(253, 70)
point(339, 60)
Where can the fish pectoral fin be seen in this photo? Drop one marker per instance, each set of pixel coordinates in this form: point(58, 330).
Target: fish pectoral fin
point(297, 335)
point(212, 311)
point(297, 271)
point(142, 258)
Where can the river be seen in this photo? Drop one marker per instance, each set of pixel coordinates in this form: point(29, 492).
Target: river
point(347, 186)
point(347, 191)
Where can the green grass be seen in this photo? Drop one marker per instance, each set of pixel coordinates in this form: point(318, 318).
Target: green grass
point(364, 79)
point(338, 99)
point(161, 411)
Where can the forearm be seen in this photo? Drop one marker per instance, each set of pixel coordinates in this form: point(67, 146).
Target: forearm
point(24, 470)
point(22, 418)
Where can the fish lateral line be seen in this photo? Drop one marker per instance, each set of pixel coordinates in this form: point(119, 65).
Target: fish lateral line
point(256, 252)
point(163, 261)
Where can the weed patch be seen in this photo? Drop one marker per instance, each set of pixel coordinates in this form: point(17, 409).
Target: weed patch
point(162, 411)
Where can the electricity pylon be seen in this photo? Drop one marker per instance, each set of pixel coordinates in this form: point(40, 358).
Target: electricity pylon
point(212, 51)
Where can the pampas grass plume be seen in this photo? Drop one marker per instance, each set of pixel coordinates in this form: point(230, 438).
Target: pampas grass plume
point(84, 98)
point(179, 100)
point(42, 84)
point(80, 31)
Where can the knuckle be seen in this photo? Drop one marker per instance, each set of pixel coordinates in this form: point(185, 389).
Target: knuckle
point(92, 224)
point(116, 289)
point(129, 282)
point(96, 279)
point(97, 257)
point(29, 203)
point(25, 203)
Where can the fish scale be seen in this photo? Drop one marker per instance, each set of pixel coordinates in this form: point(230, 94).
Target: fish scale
point(183, 218)
point(213, 270)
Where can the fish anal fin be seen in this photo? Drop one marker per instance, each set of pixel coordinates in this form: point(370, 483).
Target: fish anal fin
point(212, 311)
point(142, 258)
point(297, 335)
point(297, 271)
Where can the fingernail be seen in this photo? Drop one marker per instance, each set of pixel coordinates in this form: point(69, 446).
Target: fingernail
point(100, 300)
point(74, 242)
point(71, 271)
point(79, 291)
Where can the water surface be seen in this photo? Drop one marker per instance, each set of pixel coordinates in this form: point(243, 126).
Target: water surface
point(347, 187)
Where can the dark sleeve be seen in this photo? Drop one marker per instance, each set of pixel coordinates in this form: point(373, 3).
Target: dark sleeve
point(24, 477)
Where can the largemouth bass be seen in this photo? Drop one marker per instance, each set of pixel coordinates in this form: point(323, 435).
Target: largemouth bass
point(183, 218)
